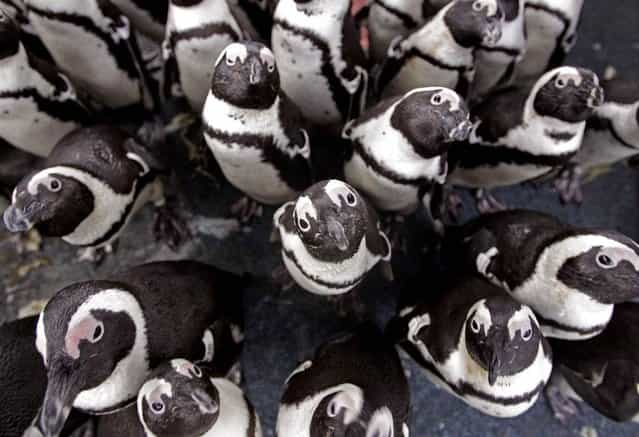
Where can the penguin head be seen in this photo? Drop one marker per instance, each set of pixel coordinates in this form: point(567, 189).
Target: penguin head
point(331, 219)
point(568, 94)
point(246, 76)
point(337, 412)
point(502, 336)
point(9, 36)
point(52, 203)
point(178, 399)
point(92, 338)
point(475, 22)
point(432, 118)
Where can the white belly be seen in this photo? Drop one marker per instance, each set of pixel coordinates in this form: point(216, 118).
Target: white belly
point(24, 127)
point(501, 175)
point(601, 148)
point(87, 61)
point(418, 73)
point(299, 63)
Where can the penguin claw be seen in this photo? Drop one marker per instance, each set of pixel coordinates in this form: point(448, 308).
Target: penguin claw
point(487, 204)
point(170, 228)
point(563, 408)
point(568, 185)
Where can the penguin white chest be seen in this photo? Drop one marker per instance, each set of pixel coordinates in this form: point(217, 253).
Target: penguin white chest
point(300, 64)
point(543, 32)
point(417, 72)
point(602, 148)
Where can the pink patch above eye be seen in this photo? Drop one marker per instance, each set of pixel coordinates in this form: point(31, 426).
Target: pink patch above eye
point(83, 330)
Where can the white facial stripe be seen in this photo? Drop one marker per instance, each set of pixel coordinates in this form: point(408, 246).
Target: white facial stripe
point(555, 256)
point(349, 399)
point(415, 325)
point(304, 207)
point(299, 369)
point(41, 339)
point(543, 80)
point(139, 160)
point(482, 315)
point(571, 74)
point(337, 191)
point(520, 321)
point(236, 52)
point(236, 334)
point(41, 178)
point(183, 367)
point(152, 391)
point(209, 345)
point(267, 57)
point(381, 424)
point(81, 330)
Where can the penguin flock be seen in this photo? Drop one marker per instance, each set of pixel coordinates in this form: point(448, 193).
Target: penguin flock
point(343, 120)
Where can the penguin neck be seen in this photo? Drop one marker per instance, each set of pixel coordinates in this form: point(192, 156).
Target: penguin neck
point(205, 12)
point(623, 119)
point(446, 48)
point(233, 418)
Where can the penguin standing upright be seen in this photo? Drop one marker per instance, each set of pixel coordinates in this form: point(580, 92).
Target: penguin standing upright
point(571, 277)
point(399, 147)
point(331, 238)
point(100, 339)
point(523, 134)
point(551, 32)
point(197, 32)
point(480, 345)
point(442, 51)
point(181, 399)
point(93, 43)
point(320, 60)
point(255, 132)
point(495, 65)
point(354, 385)
point(38, 104)
point(149, 17)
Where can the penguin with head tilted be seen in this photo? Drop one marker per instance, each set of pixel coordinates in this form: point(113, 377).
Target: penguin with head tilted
point(100, 339)
point(255, 132)
point(353, 386)
point(321, 63)
point(522, 134)
point(442, 51)
point(92, 183)
point(38, 104)
point(399, 147)
point(495, 65)
point(197, 32)
point(572, 277)
point(103, 58)
point(181, 398)
point(479, 344)
point(149, 17)
point(551, 32)
point(331, 238)
point(612, 133)
point(602, 371)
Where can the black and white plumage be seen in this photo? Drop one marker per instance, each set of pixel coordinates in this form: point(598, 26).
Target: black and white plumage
point(149, 17)
point(551, 32)
point(602, 371)
point(480, 345)
point(331, 238)
point(522, 134)
point(255, 132)
point(354, 385)
point(320, 60)
point(399, 146)
point(612, 133)
point(100, 339)
point(442, 51)
point(104, 59)
point(180, 399)
point(92, 183)
point(38, 104)
point(197, 33)
point(495, 65)
point(570, 276)
point(17, 11)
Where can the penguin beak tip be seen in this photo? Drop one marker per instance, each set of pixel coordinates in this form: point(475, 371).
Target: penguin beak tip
point(15, 221)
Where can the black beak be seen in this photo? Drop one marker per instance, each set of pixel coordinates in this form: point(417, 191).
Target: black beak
point(58, 400)
point(15, 220)
point(204, 402)
point(493, 368)
point(461, 131)
point(255, 76)
point(337, 233)
point(596, 98)
point(496, 346)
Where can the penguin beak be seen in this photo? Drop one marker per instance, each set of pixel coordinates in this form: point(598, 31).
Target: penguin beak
point(492, 34)
point(204, 402)
point(255, 76)
point(493, 369)
point(58, 400)
point(596, 98)
point(461, 131)
point(496, 345)
point(337, 233)
point(15, 220)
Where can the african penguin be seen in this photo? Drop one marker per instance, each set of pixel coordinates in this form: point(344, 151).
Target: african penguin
point(399, 146)
point(320, 60)
point(38, 104)
point(331, 238)
point(495, 65)
point(197, 32)
point(551, 32)
point(602, 371)
point(442, 51)
point(103, 59)
point(570, 276)
point(100, 339)
point(180, 399)
point(480, 345)
point(255, 132)
point(354, 385)
point(612, 132)
point(92, 183)
point(523, 134)
point(149, 17)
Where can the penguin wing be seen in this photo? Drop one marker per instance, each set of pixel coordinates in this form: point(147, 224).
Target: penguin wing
point(499, 114)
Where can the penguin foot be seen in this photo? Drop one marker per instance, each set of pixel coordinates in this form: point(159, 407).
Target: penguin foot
point(169, 227)
point(486, 203)
point(245, 210)
point(568, 185)
point(563, 408)
point(282, 278)
point(95, 255)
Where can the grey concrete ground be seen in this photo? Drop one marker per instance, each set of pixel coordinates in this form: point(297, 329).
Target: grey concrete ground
point(285, 327)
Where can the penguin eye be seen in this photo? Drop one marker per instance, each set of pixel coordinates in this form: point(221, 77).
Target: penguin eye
point(474, 326)
point(197, 371)
point(527, 334)
point(604, 261)
point(478, 5)
point(230, 62)
point(304, 225)
point(332, 410)
point(270, 68)
point(98, 332)
point(351, 200)
point(560, 82)
point(436, 99)
point(157, 407)
point(54, 185)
